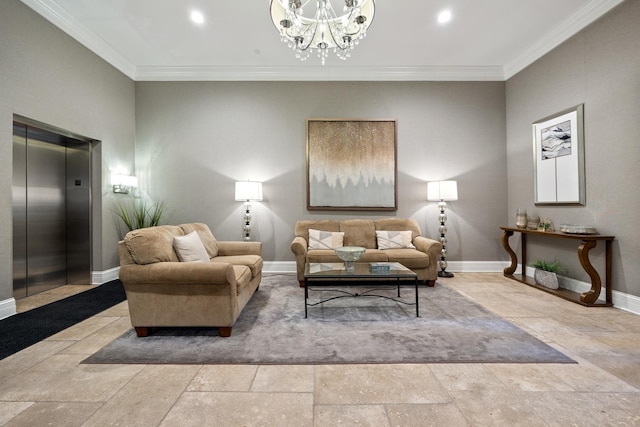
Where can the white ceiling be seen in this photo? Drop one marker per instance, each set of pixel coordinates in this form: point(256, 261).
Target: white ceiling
point(486, 40)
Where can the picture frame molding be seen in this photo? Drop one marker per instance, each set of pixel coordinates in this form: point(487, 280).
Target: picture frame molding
point(330, 207)
point(577, 177)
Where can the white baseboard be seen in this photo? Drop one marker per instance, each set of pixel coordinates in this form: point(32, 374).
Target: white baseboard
point(279, 267)
point(477, 266)
point(7, 308)
point(100, 277)
point(626, 302)
point(454, 266)
point(569, 283)
point(621, 300)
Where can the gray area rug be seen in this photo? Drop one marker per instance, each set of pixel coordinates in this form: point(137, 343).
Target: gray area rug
point(272, 330)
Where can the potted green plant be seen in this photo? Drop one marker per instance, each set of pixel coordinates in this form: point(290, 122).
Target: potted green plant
point(140, 214)
point(545, 273)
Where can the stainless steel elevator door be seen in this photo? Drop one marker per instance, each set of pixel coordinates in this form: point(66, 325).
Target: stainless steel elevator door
point(46, 212)
point(78, 213)
point(51, 210)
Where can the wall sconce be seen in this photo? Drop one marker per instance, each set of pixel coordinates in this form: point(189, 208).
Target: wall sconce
point(247, 191)
point(442, 191)
point(122, 184)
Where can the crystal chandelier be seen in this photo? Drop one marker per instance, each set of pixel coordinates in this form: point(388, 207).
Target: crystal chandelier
point(325, 30)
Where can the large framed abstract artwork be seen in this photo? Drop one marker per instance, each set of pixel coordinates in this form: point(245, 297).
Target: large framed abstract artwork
point(558, 158)
point(351, 165)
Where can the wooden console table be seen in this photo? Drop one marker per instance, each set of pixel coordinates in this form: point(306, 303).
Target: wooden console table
point(588, 242)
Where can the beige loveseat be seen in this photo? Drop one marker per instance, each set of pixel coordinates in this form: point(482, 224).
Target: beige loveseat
point(423, 260)
point(163, 291)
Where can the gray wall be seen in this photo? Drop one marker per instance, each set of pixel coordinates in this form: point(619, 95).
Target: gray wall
point(599, 67)
point(46, 76)
point(195, 139)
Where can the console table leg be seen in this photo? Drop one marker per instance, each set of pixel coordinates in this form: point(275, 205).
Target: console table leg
point(607, 273)
point(592, 295)
point(514, 259)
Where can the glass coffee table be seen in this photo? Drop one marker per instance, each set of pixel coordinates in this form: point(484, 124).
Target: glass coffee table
point(335, 275)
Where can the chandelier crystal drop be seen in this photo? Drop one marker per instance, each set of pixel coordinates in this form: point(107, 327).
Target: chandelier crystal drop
point(326, 30)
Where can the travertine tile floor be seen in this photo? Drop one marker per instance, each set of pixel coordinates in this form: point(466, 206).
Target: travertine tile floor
point(46, 384)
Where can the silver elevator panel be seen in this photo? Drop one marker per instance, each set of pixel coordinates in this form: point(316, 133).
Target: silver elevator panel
point(51, 210)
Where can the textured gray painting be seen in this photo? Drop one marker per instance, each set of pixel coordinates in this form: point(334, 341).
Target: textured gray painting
point(351, 164)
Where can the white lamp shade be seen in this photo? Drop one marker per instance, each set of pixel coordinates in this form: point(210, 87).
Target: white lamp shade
point(248, 190)
point(442, 190)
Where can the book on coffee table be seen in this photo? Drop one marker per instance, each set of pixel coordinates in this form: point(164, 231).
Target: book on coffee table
point(379, 267)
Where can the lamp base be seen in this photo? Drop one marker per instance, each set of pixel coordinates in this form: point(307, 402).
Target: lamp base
point(443, 273)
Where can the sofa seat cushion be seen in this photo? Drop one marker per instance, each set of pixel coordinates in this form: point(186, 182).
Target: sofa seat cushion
point(153, 244)
point(326, 255)
point(254, 262)
point(243, 277)
point(410, 258)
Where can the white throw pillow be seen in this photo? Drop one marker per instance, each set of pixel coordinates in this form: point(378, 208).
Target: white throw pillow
point(190, 248)
point(325, 239)
point(394, 239)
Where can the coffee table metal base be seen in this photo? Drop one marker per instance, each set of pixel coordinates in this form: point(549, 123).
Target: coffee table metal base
point(361, 278)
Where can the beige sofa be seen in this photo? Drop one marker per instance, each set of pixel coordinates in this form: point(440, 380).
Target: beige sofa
point(163, 291)
point(423, 260)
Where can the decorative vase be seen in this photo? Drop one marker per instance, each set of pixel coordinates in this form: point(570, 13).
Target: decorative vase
point(548, 279)
point(521, 218)
point(350, 254)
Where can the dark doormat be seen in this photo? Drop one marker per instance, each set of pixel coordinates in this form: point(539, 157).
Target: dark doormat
point(25, 329)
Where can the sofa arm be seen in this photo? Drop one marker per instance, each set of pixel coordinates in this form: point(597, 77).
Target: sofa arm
point(428, 246)
point(299, 249)
point(230, 248)
point(432, 248)
point(299, 246)
point(183, 273)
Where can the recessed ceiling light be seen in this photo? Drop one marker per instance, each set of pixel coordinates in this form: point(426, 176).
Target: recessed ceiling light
point(444, 16)
point(197, 17)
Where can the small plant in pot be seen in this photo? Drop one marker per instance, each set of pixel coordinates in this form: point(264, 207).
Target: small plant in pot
point(546, 273)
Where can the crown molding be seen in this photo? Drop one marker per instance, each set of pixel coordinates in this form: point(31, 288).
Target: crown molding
point(319, 74)
point(589, 13)
point(59, 17)
point(55, 14)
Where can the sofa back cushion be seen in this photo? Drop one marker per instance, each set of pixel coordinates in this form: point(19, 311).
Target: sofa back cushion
point(359, 232)
point(206, 236)
point(153, 244)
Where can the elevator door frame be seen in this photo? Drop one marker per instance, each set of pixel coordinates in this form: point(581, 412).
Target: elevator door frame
point(77, 191)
